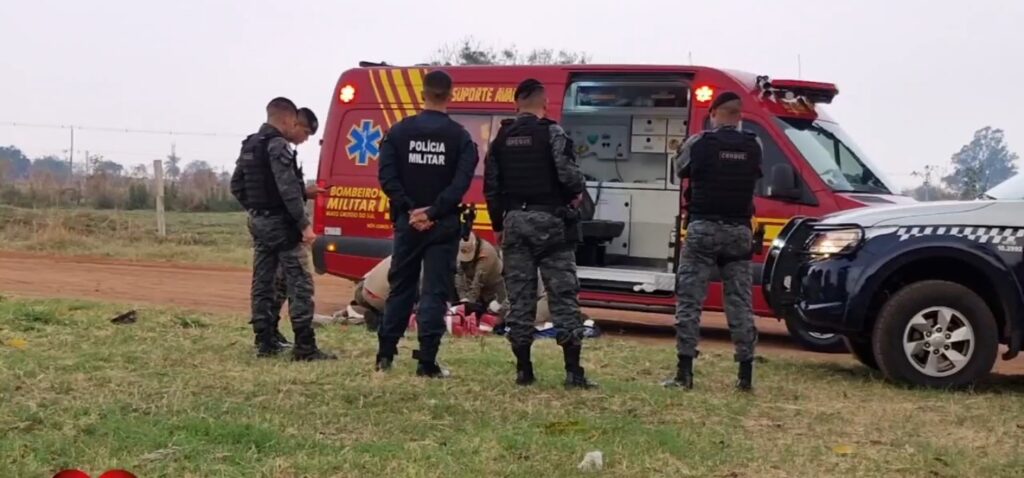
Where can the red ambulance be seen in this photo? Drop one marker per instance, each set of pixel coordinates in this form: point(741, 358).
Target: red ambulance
point(626, 121)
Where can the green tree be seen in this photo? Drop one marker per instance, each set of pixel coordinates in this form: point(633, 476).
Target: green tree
point(52, 165)
point(138, 196)
point(172, 168)
point(108, 168)
point(983, 163)
point(469, 51)
point(14, 164)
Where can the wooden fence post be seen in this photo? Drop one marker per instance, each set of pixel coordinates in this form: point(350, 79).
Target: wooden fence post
point(158, 179)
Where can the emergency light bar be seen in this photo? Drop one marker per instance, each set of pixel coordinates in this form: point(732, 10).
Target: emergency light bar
point(812, 91)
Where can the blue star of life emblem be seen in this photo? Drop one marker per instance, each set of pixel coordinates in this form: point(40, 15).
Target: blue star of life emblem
point(364, 142)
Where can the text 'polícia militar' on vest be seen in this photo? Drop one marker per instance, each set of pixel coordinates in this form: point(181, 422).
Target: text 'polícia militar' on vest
point(427, 152)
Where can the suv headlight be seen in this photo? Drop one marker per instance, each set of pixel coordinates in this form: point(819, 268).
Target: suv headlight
point(833, 242)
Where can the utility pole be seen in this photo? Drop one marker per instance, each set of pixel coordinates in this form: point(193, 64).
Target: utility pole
point(158, 179)
point(927, 176)
point(799, 68)
point(71, 153)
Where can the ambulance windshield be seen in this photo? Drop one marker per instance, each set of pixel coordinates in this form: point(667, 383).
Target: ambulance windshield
point(835, 158)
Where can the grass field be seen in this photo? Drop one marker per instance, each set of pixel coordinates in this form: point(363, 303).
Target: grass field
point(211, 238)
point(180, 394)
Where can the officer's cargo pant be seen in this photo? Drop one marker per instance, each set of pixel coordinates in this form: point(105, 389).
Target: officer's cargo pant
point(276, 245)
point(434, 253)
point(725, 246)
point(281, 287)
point(535, 241)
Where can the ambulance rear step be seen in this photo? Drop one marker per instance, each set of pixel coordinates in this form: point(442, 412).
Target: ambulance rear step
point(635, 280)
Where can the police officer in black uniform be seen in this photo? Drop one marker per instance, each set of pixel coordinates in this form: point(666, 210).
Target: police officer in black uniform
point(266, 184)
point(306, 126)
point(723, 166)
point(532, 185)
point(427, 162)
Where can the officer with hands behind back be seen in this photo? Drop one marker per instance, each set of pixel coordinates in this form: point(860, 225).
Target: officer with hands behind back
point(723, 166)
point(532, 185)
point(427, 162)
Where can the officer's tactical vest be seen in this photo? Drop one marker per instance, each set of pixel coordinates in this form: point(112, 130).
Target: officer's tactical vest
point(526, 164)
point(258, 190)
point(427, 159)
point(723, 174)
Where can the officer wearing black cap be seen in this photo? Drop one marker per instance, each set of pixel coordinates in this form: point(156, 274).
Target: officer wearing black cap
point(306, 126)
point(723, 166)
point(427, 162)
point(266, 183)
point(532, 185)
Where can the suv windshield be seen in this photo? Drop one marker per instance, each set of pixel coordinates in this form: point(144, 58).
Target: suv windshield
point(834, 157)
point(1012, 188)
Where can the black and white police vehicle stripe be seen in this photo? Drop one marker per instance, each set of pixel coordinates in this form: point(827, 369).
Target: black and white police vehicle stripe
point(1005, 236)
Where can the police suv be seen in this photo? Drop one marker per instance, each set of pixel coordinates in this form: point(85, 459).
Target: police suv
point(925, 293)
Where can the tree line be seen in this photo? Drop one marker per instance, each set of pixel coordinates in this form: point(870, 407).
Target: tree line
point(979, 166)
point(99, 183)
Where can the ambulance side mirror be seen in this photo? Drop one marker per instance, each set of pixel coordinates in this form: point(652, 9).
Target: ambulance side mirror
point(782, 183)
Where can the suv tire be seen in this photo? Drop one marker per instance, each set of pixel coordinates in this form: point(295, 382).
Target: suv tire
point(828, 343)
point(862, 350)
point(935, 334)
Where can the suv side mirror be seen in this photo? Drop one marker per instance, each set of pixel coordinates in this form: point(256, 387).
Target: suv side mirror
point(782, 183)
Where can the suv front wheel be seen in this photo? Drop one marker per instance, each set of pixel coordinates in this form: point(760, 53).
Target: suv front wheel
point(935, 334)
point(809, 339)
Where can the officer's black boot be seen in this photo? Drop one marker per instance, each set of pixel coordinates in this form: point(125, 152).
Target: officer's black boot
point(431, 370)
point(384, 363)
point(524, 367)
point(267, 346)
point(305, 347)
point(746, 376)
point(575, 376)
point(386, 350)
point(266, 342)
point(281, 340)
point(427, 359)
point(684, 374)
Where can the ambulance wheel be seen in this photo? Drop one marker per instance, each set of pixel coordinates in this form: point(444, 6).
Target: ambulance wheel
point(812, 340)
point(936, 334)
point(862, 350)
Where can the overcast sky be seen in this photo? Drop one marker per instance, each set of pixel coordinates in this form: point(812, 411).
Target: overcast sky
point(916, 78)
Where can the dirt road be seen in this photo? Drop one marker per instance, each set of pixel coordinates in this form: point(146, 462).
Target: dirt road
point(225, 289)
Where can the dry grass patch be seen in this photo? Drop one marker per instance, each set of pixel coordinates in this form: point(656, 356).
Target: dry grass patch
point(180, 394)
point(211, 238)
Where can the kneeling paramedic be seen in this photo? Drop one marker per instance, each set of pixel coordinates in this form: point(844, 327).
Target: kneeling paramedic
point(723, 166)
point(265, 183)
point(481, 287)
point(427, 162)
point(531, 185)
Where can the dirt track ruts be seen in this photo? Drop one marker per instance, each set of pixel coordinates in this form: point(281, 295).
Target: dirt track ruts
point(225, 289)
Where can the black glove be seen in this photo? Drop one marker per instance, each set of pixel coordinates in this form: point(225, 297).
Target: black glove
point(474, 308)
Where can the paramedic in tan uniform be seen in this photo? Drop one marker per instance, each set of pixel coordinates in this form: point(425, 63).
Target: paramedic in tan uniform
point(479, 282)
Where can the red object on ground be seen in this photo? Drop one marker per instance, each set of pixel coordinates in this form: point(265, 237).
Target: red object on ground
point(71, 474)
point(460, 324)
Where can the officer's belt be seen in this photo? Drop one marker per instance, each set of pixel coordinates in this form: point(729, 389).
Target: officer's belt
point(266, 212)
point(534, 207)
point(730, 221)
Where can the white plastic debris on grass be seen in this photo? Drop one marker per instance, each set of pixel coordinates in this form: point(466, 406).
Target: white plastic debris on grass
point(593, 461)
